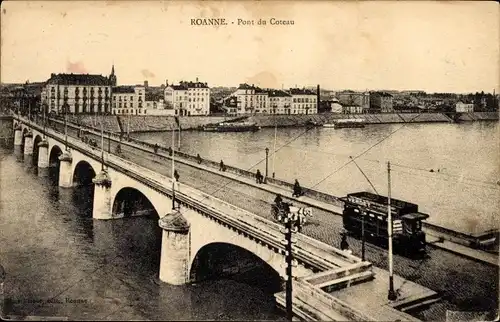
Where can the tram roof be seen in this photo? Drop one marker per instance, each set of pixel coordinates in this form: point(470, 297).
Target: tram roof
point(381, 199)
point(415, 216)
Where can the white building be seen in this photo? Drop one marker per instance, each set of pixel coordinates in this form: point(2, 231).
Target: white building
point(304, 101)
point(188, 98)
point(78, 93)
point(128, 100)
point(250, 99)
point(280, 102)
point(462, 107)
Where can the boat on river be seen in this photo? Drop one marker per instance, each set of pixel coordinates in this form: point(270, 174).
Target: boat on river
point(232, 127)
point(347, 123)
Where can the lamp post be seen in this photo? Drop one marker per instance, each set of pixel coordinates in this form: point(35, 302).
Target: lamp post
point(275, 132)
point(267, 155)
point(65, 126)
point(292, 225)
point(392, 295)
point(173, 170)
point(364, 213)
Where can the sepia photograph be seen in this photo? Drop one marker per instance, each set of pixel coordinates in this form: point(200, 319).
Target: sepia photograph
point(249, 160)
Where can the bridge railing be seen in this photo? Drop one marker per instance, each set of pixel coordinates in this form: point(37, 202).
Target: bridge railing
point(315, 194)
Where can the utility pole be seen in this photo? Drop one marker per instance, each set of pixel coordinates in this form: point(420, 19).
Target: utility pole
point(292, 225)
point(173, 170)
point(289, 259)
point(102, 140)
point(274, 148)
point(267, 155)
point(179, 138)
point(392, 295)
point(364, 213)
point(65, 126)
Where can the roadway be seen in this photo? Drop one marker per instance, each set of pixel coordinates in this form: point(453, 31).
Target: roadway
point(464, 284)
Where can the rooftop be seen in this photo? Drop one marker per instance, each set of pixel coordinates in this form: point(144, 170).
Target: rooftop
point(123, 89)
point(277, 93)
point(301, 91)
point(78, 79)
point(187, 85)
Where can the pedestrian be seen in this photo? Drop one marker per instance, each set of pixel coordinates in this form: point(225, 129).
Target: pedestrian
point(221, 166)
point(198, 158)
point(278, 200)
point(343, 244)
point(169, 151)
point(297, 190)
point(156, 148)
point(258, 176)
point(176, 175)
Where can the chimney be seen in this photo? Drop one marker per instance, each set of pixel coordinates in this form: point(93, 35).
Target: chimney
point(166, 82)
point(197, 79)
point(146, 83)
point(318, 96)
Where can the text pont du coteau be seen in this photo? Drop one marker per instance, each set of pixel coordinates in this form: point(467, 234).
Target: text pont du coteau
point(239, 22)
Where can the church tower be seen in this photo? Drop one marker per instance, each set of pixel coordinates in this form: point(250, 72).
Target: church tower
point(112, 77)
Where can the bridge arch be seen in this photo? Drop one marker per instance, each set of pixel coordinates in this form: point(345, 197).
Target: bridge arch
point(54, 163)
point(225, 260)
point(23, 139)
point(55, 152)
point(83, 174)
point(37, 139)
point(129, 202)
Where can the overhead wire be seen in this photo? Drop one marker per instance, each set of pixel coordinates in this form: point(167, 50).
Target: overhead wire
point(364, 152)
point(259, 162)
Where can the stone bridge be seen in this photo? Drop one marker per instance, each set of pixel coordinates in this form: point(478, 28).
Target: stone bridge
point(198, 227)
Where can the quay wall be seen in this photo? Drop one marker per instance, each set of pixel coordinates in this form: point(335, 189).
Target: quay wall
point(145, 123)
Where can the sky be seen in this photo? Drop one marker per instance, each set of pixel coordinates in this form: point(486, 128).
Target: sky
point(445, 46)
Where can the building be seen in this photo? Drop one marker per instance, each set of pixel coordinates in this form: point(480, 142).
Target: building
point(78, 93)
point(381, 102)
point(230, 105)
point(331, 105)
point(462, 107)
point(280, 102)
point(354, 102)
point(251, 99)
point(304, 101)
point(188, 98)
point(156, 105)
point(128, 100)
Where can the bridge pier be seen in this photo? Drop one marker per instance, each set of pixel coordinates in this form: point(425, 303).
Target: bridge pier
point(18, 140)
point(102, 196)
point(175, 244)
point(28, 148)
point(43, 158)
point(65, 173)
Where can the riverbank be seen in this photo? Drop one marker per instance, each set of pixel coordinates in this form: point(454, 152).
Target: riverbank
point(144, 124)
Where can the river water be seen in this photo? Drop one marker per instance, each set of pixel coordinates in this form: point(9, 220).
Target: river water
point(450, 170)
point(60, 262)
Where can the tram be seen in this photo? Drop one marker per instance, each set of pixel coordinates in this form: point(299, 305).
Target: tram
point(365, 214)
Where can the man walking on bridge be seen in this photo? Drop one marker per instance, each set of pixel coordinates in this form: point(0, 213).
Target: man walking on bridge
point(297, 190)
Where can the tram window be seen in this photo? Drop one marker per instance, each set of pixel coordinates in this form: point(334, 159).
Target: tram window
point(418, 225)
